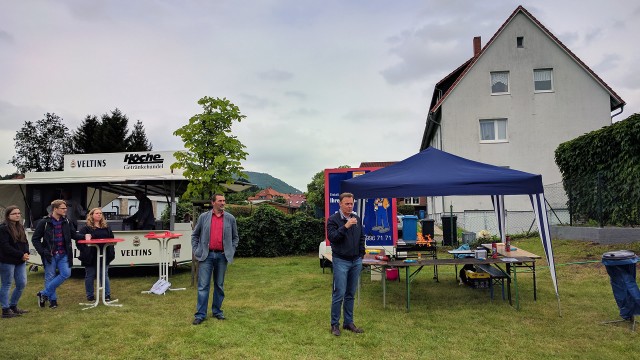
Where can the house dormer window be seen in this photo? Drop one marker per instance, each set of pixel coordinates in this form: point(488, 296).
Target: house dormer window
point(520, 41)
point(543, 80)
point(499, 82)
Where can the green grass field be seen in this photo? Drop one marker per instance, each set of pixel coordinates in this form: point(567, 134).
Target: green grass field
point(279, 309)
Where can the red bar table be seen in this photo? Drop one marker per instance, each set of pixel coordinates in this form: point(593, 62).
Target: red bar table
point(101, 269)
point(165, 257)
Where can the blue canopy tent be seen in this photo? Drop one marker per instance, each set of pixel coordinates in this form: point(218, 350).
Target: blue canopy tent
point(433, 172)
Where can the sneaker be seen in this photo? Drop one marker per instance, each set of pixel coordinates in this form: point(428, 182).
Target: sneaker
point(107, 298)
point(91, 298)
point(53, 304)
point(42, 299)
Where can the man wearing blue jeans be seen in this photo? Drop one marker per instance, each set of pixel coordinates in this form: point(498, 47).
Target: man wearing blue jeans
point(344, 230)
point(52, 240)
point(214, 241)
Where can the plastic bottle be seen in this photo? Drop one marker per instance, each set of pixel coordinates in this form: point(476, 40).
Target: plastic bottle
point(494, 250)
point(507, 245)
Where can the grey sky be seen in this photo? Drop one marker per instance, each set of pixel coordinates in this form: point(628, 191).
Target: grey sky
point(322, 83)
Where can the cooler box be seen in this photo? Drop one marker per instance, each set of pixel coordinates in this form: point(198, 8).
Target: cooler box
point(410, 227)
point(392, 274)
point(478, 280)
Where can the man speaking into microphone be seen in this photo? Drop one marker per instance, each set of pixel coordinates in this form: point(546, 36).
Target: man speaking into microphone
point(344, 230)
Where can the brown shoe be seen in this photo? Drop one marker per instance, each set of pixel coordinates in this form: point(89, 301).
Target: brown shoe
point(335, 330)
point(352, 327)
point(17, 310)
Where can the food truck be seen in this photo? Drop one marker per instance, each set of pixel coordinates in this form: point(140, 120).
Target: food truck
point(94, 180)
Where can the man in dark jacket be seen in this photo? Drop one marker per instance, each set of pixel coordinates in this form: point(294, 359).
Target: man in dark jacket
point(346, 235)
point(143, 219)
point(52, 240)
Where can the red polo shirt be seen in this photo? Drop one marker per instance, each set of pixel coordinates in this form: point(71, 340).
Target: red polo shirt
point(215, 235)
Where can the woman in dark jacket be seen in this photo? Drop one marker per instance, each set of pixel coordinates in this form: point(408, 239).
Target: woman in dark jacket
point(98, 229)
point(14, 253)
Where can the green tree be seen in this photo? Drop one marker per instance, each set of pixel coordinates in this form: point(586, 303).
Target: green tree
point(113, 132)
point(41, 146)
point(241, 197)
point(212, 156)
point(84, 137)
point(138, 141)
point(315, 193)
point(109, 134)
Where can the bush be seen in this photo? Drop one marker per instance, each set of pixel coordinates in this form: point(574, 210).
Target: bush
point(406, 210)
point(182, 209)
point(270, 233)
point(239, 211)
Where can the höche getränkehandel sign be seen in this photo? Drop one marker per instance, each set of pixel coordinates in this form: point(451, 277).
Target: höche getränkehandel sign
point(156, 162)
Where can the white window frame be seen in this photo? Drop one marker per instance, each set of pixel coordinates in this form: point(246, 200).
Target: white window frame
point(496, 131)
point(535, 71)
point(412, 201)
point(491, 82)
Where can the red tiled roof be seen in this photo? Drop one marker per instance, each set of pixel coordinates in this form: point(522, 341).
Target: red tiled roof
point(377, 164)
point(293, 200)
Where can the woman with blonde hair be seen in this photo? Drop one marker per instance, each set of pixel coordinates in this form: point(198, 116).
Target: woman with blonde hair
point(97, 227)
point(14, 253)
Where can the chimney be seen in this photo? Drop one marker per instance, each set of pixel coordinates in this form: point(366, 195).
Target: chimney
point(477, 45)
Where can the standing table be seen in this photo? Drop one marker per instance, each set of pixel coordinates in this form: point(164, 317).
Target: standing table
point(165, 256)
point(101, 269)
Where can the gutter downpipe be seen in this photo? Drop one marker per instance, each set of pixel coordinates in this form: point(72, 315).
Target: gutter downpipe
point(438, 127)
point(618, 113)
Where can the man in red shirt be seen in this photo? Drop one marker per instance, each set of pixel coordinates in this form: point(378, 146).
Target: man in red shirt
point(214, 241)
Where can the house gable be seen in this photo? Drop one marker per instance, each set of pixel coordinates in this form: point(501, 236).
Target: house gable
point(518, 19)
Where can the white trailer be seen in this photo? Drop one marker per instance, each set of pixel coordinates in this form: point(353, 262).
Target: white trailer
point(94, 180)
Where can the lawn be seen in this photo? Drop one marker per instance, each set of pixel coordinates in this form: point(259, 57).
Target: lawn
point(278, 308)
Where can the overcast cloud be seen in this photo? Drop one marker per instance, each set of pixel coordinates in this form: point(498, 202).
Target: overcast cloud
point(322, 83)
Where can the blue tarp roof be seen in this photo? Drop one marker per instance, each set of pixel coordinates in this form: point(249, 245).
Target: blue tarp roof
point(433, 172)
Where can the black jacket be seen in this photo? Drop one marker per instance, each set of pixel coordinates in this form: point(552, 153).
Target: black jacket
point(42, 238)
point(89, 254)
point(347, 244)
point(11, 252)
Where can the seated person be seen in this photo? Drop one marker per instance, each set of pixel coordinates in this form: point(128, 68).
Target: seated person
point(75, 211)
point(143, 219)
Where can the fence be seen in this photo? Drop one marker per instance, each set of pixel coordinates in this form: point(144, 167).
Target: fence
point(517, 222)
point(596, 201)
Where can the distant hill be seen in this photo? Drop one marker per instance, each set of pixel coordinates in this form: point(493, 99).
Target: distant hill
point(264, 181)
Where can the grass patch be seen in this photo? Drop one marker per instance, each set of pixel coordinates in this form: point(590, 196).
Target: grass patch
point(278, 308)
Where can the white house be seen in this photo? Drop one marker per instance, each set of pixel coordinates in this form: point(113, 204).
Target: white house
point(513, 103)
